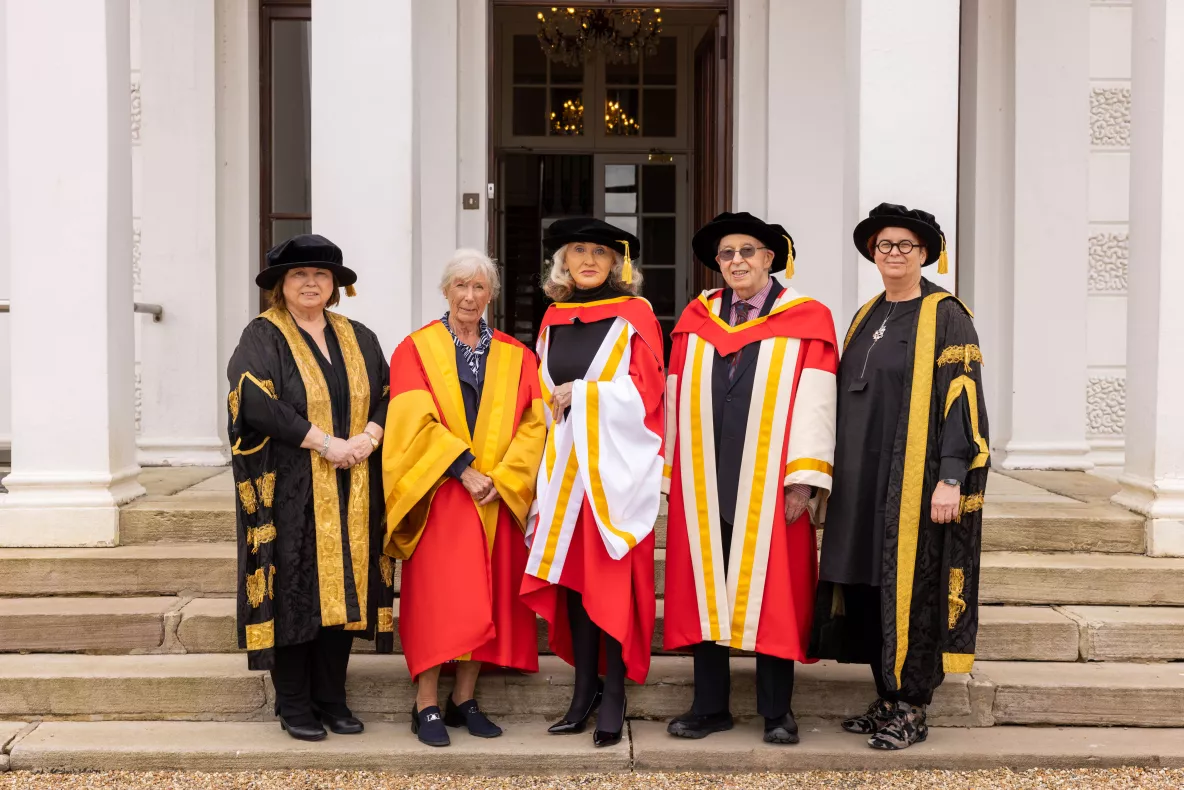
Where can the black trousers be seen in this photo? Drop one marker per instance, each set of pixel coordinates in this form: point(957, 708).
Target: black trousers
point(713, 674)
point(863, 602)
point(713, 682)
point(312, 675)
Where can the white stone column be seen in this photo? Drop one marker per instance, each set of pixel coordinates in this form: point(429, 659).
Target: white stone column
point(1051, 236)
point(237, 159)
point(1153, 479)
point(750, 130)
point(70, 227)
point(5, 327)
point(362, 153)
point(183, 415)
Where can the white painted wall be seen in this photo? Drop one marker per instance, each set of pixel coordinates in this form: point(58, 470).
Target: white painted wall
point(5, 332)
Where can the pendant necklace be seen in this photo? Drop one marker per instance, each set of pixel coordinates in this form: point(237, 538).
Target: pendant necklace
point(876, 336)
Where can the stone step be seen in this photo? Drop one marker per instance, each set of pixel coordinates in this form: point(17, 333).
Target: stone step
point(526, 749)
point(208, 569)
point(1084, 579)
point(149, 569)
point(219, 687)
point(207, 625)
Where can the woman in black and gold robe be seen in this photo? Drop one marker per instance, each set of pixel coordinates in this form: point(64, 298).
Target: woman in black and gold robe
point(308, 399)
point(899, 570)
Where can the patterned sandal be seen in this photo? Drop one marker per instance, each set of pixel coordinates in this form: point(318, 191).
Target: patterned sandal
point(879, 713)
point(906, 728)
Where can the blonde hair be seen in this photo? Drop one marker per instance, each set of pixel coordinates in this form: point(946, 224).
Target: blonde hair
point(465, 264)
point(560, 285)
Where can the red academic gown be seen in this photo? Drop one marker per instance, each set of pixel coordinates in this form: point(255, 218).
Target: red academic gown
point(461, 563)
point(618, 594)
point(765, 601)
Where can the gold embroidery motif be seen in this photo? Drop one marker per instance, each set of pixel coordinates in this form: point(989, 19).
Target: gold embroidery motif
point(268, 386)
point(957, 605)
point(972, 503)
point(256, 588)
point(246, 495)
point(261, 636)
point(257, 536)
point(232, 400)
point(266, 486)
point(386, 620)
point(271, 583)
point(386, 390)
point(964, 354)
point(387, 567)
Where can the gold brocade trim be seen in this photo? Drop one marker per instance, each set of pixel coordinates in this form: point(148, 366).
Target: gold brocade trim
point(261, 636)
point(972, 503)
point(966, 354)
point(957, 605)
point(913, 480)
point(233, 400)
point(246, 495)
point(957, 663)
point(386, 620)
point(326, 508)
point(256, 588)
point(957, 387)
point(257, 536)
point(266, 485)
point(386, 566)
point(855, 324)
point(271, 583)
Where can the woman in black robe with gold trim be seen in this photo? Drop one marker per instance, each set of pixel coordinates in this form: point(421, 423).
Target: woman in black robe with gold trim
point(308, 401)
point(898, 576)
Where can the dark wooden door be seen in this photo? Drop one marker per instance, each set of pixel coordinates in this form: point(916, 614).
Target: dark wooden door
point(712, 139)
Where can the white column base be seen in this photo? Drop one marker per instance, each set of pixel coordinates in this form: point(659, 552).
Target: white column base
point(1162, 502)
point(182, 452)
point(1072, 456)
point(62, 511)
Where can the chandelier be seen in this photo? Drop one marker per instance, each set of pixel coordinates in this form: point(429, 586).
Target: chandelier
point(570, 35)
point(617, 121)
point(570, 119)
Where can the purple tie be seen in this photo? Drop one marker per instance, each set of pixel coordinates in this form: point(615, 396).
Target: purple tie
point(739, 314)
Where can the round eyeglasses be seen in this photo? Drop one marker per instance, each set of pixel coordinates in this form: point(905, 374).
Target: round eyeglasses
point(746, 252)
point(904, 246)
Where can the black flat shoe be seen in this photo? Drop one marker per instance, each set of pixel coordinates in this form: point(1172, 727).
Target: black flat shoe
point(566, 726)
point(342, 725)
point(602, 738)
point(781, 730)
point(428, 725)
point(690, 725)
point(467, 714)
point(304, 732)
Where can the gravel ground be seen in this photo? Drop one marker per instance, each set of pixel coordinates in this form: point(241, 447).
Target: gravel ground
point(1122, 779)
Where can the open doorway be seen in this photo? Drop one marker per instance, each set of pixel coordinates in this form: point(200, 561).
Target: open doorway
point(642, 142)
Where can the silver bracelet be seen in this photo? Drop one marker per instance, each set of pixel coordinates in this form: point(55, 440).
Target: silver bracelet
point(325, 445)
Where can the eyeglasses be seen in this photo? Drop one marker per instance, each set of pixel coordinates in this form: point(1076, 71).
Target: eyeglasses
point(905, 246)
point(746, 252)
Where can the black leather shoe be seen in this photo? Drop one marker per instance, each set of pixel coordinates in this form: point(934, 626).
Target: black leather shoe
point(467, 714)
point(602, 738)
point(304, 732)
point(566, 726)
point(341, 725)
point(690, 725)
point(428, 725)
point(781, 730)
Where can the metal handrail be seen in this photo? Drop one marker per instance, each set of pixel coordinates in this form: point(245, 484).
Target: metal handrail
point(147, 308)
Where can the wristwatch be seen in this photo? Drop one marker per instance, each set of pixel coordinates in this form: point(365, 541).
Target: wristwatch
point(373, 441)
point(953, 481)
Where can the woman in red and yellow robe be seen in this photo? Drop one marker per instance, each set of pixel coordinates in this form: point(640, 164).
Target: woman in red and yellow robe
point(591, 567)
point(461, 414)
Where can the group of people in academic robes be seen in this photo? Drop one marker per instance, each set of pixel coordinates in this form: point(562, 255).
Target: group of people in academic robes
point(512, 485)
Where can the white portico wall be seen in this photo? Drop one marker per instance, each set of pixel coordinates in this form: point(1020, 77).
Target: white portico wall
point(1153, 478)
point(5, 333)
point(182, 419)
point(70, 237)
point(1051, 207)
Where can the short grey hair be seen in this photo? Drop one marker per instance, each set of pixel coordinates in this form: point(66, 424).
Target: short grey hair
point(560, 285)
point(467, 263)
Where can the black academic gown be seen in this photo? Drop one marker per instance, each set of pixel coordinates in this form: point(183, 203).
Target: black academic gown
point(892, 450)
point(280, 549)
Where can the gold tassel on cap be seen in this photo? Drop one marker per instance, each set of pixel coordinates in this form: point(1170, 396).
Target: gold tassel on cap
point(351, 291)
point(943, 260)
point(789, 263)
point(627, 269)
